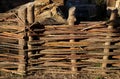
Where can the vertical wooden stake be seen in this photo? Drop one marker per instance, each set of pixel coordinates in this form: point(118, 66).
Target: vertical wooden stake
point(107, 50)
point(71, 17)
point(71, 20)
point(22, 60)
point(22, 13)
point(29, 46)
point(30, 12)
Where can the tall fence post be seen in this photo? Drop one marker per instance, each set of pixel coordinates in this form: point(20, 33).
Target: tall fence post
point(30, 20)
point(22, 14)
point(71, 20)
point(108, 43)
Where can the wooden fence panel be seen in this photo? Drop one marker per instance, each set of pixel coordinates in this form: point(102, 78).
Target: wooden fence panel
point(89, 46)
point(12, 55)
point(54, 51)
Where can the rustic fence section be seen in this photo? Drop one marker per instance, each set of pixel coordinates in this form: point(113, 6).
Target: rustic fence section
point(12, 47)
point(89, 46)
point(53, 51)
point(13, 44)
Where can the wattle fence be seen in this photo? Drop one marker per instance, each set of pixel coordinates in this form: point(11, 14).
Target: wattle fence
point(87, 47)
point(73, 49)
point(12, 45)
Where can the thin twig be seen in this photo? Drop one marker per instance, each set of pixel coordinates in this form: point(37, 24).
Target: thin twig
point(94, 26)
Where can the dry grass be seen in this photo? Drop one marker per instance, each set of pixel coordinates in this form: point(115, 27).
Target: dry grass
point(40, 75)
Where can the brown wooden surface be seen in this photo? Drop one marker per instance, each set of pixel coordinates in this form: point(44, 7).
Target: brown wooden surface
point(53, 52)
